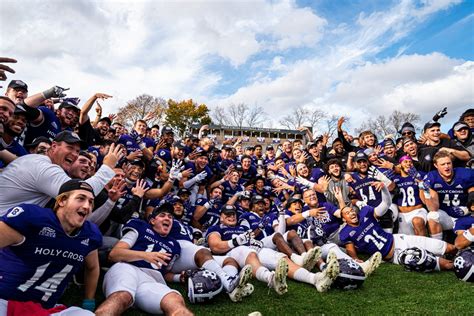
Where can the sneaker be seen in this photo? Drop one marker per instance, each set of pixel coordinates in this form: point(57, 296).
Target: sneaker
point(311, 258)
point(244, 277)
point(324, 280)
point(371, 264)
point(278, 280)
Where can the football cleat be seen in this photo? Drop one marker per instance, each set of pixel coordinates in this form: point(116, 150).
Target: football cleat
point(244, 277)
point(324, 280)
point(247, 290)
point(371, 264)
point(278, 279)
point(311, 258)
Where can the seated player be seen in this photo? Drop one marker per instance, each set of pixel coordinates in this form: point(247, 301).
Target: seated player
point(235, 241)
point(143, 256)
point(194, 257)
point(447, 195)
point(41, 249)
point(363, 233)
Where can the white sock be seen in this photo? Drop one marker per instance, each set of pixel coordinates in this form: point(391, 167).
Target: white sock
point(438, 236)
point(298, 259)
point(213, 266)
point(304, 275)
point(334, 248)
point(263, 274)
point(230, 270)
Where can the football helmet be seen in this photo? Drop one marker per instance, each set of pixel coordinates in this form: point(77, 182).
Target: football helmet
point(464, 265)
point(203, 286)
point(351, 276)
point(417, 259)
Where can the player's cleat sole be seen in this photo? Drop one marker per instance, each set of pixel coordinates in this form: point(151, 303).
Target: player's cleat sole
point(325, 279)
point(331, 256)
point(247, 290)
point(311, 258)
point(371, 264)
point(279, 278)
point(244, 277)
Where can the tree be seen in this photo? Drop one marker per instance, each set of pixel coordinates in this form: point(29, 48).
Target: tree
point(141, 107)
point(219, 116)
point(181, 115)
point(297, 118)
point(256, 116)
point(238, 113)
point(382, 125)
point(303, 117)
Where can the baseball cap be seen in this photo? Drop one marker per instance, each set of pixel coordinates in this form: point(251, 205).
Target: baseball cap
point(200, 152)
point(68, 105)
point(75, 184)
point(69, 137)
point(184, 191)
point(228, 209)
point(257, 198)
point(245, 196)
point(175, 199)
point(457, 126)
point(165, 207)
point(179, 144)
point(360, 156)
point(19, 109)
point(312, 144)
point(167, 130)
point(106, 119)
point(249, 148)
point(270, 147)
point(18, 84)
point(37, 141)
point(137, 162)
point(227, 147)
point(388, 143)
point(407, 127)
point(430, 124)
point(336, 140)
point(468, 112)
point(407, 140)
point(238, 167)
point(292, 200)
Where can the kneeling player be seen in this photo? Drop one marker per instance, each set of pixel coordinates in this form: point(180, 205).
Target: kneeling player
point(41, 249)
point(143, 255)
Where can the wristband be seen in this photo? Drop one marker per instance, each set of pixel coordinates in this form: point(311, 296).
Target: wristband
point(177, 278)
point(427, 194)
point(88, 304)
point(232, 243)
point(305, 214)
point(468, 235)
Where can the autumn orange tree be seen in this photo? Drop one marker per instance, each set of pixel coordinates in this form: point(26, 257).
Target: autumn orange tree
point(181, 115)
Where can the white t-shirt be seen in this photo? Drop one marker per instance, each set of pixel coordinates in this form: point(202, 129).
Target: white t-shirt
point(36, 180)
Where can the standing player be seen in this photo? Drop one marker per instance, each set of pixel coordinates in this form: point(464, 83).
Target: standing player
point(143, 255)
point(41, 249)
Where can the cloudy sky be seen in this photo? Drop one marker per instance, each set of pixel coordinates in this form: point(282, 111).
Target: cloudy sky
point(361, 58)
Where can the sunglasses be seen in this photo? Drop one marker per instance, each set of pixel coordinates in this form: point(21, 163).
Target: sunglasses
point(407, 133)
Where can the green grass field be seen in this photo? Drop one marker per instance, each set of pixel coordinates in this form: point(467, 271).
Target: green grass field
point(390, 290)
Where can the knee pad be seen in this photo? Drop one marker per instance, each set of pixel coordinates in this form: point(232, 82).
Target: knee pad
point(433, 216)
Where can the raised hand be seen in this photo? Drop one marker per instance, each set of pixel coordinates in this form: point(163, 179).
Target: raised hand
point(114, 155)
point(4, 68)
point(140, 188)
point(117, 190)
